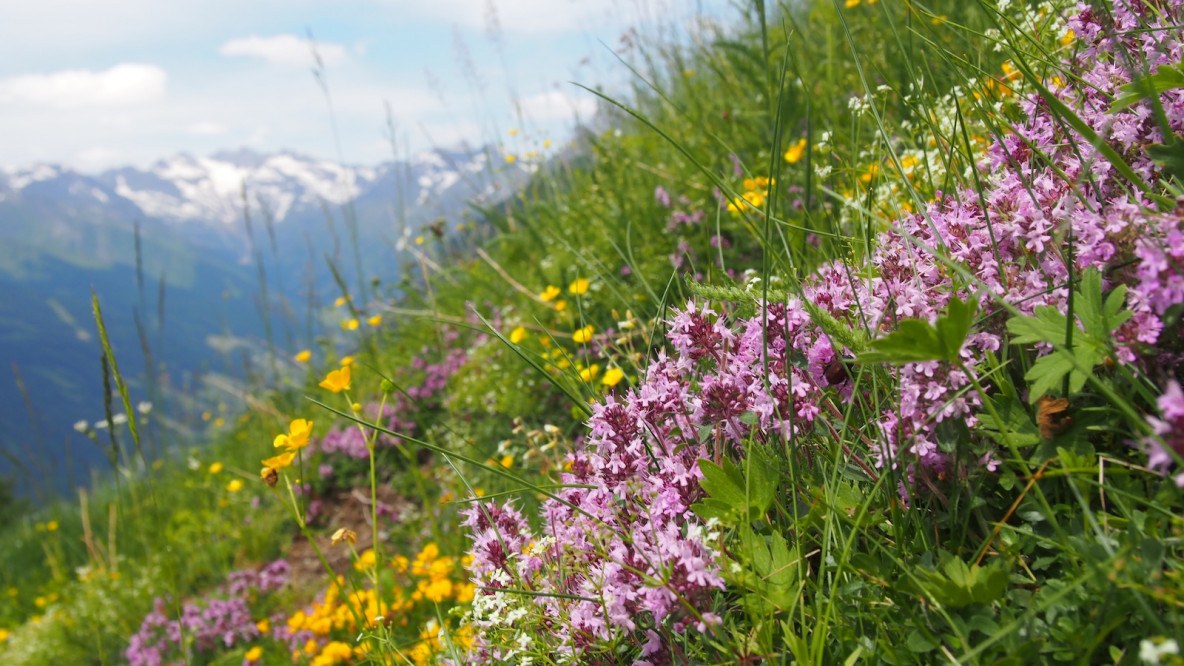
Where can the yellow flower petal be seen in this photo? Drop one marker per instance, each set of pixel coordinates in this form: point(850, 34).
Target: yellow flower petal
point(583, 335)
point(279, 462)
point(612, 377)
point(794, 154)
point(337, 380)
point(376, 320)
point(549, 293)
point(517, 335)
point(303, 356)
point(578, 286)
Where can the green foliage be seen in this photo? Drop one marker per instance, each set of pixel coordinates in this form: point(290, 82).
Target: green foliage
point(1080, 346)
point(915, 340)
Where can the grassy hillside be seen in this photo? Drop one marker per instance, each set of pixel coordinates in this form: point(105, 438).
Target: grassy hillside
point(850, 335)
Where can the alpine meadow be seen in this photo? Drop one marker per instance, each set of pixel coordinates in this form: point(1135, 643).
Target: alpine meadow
point(849, 332)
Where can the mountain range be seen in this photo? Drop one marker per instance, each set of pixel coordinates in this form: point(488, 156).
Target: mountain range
point(185, 255)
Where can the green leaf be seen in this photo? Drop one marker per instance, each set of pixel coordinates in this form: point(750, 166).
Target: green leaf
point(1016, 421)
point(918, 642)
point(954, 326)
point(916, 341)
point(762, 483)
point(1170, 157)
point(724, 484)
point(1165, 79)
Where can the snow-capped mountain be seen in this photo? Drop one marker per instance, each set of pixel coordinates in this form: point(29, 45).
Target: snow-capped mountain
point(211, 189)
point(193, 249)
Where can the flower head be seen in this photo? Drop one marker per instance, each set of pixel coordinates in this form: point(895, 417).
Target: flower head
point(337, 380)
point(583, 335)
point(549, 293)
point(302, 356)
point(794, 153)
point(578, 286)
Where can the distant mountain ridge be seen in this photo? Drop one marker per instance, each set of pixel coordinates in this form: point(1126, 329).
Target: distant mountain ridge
point(200, 235)
point(184, 188)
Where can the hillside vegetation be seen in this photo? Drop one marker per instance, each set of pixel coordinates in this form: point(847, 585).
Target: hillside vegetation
point(853, 336)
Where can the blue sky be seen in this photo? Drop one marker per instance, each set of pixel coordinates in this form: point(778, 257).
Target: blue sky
point(98, 84)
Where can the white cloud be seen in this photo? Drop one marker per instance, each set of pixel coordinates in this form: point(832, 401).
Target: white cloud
point(206, 128)
point(284, 50)
point(522, 16)
point(97, 158)
point(557, 105)
point(121, 85)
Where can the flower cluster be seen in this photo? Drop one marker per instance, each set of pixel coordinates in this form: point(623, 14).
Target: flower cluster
point(620, 557)
point(221, 620)
point(1167, 446)
point(317, 631)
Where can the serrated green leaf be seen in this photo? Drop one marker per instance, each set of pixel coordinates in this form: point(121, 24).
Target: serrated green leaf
point(953, 327)
point(1047, 374)
point(916, 341)
point(913, 341)
point(710, 508)
point(1016, 421)
point(762, 483)
point(721, 484)
point(1046, 325)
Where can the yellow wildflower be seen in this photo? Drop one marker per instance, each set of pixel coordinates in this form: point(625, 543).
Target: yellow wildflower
point(297, 437)
point(219, 422)
point(560, 305)
point(254, 654)
point(852, 3)
point(612, 377)
point(506, 461)
point(549, 293)
point(349, 325)
point(215, 468)
point(510, 159)
point(1067, 38)
point(794, 153)
point(518, 335)
point(750, 184)
point(365, 560)
point(583, 335)
point(514, 132)
point(206, 416)
point(347, 360)
point(278, 462)
point(590, 372)
point(337, 380)
point(264, 626)
point(578, 286)
point(302, 356)
point(376, 320)
point(51, 526)
point(234, 486)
